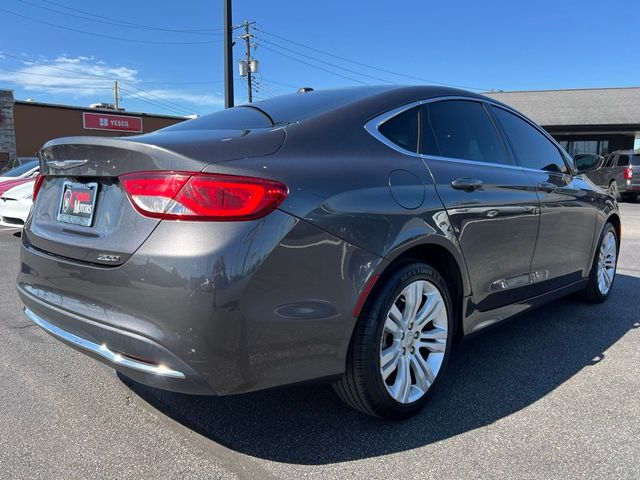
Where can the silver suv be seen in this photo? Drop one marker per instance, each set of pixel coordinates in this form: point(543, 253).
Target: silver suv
point(613, 172)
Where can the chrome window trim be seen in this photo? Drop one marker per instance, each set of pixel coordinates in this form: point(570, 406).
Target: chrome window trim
point(471, 162)
point(372, 126)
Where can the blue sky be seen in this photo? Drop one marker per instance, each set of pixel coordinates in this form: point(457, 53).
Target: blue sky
point(502, 45)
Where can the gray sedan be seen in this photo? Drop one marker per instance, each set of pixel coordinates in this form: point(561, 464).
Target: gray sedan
point(347, 236)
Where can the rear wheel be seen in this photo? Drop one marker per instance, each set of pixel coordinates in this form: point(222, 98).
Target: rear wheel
point(629, 197)
point(613, 190)
point(400, 346)
point(603, 270)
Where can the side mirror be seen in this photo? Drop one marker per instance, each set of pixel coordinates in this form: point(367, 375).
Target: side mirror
point(586, 161)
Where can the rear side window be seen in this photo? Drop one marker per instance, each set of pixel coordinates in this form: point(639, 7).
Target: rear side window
point(635, 160)
point(460, 129)
point(623, 160)
point(608, 161)
point(402, 129)
point(532, 148)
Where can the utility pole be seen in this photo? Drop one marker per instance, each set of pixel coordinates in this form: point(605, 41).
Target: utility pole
point(251, 65)
point(115, 94)
point(228, 55)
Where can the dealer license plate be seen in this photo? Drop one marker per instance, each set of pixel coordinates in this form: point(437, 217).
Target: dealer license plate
point(78, 203)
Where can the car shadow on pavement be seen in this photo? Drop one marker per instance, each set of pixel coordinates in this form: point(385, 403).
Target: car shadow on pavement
point(490, 376)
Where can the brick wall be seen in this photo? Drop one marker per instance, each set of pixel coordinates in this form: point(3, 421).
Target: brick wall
point(7, 128)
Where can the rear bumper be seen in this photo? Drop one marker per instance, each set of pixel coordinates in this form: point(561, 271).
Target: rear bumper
point(103, 351)
point(115, 347)
point(631, 188)
point(229, 308)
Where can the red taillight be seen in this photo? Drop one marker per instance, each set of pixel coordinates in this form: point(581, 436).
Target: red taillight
point(202, 196)
point(628, 173)
point(36, 186)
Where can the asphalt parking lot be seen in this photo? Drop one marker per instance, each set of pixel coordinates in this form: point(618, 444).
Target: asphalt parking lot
point(552, 394)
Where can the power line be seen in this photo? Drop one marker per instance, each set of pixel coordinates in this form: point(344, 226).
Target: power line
point(33, 62)
point(326, 63)
point(89, 76)
point(314, 66)
point(73, 87)
point(260, 88)
point(142, 98)
point(203, 30)
point(44, 85)
point(159, 97)
point(182, 83)
point(110, 37)
point(344, 59)
point(22, 72)
point(267, 88)
point(131, 95)
point(47, 85)
point(111, 21)
point(278, 82)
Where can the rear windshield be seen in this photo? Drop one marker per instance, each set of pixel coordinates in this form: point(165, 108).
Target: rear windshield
point(277, 110)
point(299, 106)
point(239, 118)
point(16, 172)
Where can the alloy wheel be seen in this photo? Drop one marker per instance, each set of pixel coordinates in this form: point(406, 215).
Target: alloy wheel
point(607, 262)
point(414, 340)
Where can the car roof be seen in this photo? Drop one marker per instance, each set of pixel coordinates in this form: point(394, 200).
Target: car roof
point(303, 105)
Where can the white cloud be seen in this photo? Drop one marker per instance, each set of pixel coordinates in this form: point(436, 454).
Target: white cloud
point(178, 96)
point(83, 76)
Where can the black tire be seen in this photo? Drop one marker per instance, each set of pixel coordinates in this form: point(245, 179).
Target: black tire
point(629, 197)
point(592, 293)
point(362, 386)
point(613, 190)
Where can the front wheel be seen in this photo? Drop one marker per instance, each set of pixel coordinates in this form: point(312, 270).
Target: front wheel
point(400, 345)
point(603, 270)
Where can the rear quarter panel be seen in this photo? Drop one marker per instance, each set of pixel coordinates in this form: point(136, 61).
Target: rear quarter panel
point(349, 184)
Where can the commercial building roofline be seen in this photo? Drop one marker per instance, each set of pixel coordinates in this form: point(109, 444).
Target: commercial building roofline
point(562, 90)
point(103, 110)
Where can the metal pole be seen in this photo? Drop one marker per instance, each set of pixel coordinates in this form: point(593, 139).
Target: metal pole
point(228, 55)
point(247, 38)
point(115, 94)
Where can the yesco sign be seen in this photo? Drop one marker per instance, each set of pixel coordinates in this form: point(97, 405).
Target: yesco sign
point(105, 121)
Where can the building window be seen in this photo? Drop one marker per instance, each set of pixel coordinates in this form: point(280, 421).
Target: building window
point(576, 147)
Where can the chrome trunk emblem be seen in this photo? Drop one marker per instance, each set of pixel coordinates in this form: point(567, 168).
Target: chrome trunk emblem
point(64, 164)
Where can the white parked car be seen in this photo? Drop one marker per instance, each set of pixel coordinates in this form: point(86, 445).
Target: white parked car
point(15, 205)
point(27, 170)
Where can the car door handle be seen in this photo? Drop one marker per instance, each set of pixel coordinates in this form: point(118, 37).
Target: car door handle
point(547, 187)
point(466, 184)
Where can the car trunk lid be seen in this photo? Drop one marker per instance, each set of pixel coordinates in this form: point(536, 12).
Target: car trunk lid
point(115, 229)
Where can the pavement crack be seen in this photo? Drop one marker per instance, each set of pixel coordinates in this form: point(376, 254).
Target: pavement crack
point(22, 326)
